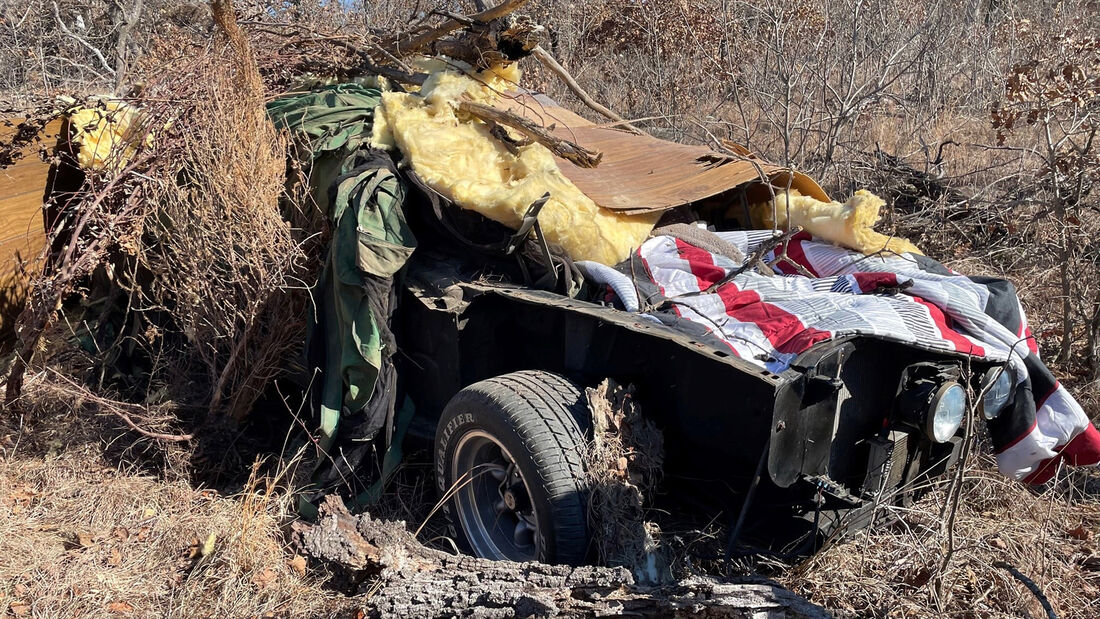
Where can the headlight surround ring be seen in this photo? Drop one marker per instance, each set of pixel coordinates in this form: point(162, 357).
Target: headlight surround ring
point(946, 411)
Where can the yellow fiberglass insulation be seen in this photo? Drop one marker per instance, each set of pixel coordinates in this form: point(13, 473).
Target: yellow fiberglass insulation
point(850, 224)
point(456, 156)
point(105, 129)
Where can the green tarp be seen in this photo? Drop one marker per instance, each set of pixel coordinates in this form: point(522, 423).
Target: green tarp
point(362, 196)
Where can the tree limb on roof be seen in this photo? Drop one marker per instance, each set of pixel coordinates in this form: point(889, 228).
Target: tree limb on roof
point(565, 149)
point(410, 43)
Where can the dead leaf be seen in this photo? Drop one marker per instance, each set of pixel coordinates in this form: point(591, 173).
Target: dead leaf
point(1079, 532)
point(265, 578)
point(83, 539)
point(194, 549)
point(115, 558)
point(20, 589)
point(20, 609)
point(998, 543)
point(122, 533)
point(119, 608)
point(298, 565)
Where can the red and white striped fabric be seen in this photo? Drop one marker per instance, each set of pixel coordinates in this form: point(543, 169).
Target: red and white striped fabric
point(824, 291)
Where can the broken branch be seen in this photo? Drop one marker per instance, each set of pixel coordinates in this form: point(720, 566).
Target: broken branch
point(116, 408)
point(757, 258)
point(555, 67)
point(565, 149)
point(412, 43)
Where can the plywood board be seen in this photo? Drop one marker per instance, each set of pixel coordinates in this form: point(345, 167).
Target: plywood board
point(22, 187)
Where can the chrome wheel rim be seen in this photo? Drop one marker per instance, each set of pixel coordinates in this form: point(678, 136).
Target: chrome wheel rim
point(493, 502)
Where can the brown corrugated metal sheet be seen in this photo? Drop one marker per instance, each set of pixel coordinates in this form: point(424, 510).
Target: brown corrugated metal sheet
point(22, 187)
point(640, 173)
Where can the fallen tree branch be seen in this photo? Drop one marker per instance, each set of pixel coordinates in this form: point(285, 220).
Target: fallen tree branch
point(555, 67)
point(406, 579)
point(79, 39)
point(114, 407)
point(411, 43)
point(565, 149)
point(757, 258)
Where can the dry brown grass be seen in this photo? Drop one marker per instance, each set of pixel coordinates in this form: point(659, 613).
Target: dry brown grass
point(82, 536)
point(890, 571)
point(624, 466)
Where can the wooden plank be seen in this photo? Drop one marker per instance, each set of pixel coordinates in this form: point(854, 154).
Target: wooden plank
point(22, 248)
point(48, 134)
point(21, 235)
point(23, 176)
point(21, 214)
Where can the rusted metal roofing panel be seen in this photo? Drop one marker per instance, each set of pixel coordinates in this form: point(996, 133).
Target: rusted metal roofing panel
point(640, 173)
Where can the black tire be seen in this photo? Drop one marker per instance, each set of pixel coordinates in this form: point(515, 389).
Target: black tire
point(538, 421)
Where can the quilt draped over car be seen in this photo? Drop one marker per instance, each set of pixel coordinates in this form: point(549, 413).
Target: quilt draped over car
point(821, 291)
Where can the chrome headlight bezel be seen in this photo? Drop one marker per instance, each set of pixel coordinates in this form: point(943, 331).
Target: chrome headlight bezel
point(946, 412)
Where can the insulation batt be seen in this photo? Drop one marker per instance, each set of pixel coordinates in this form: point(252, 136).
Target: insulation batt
point(457, 157)
point(106, 130)
point(850, 224)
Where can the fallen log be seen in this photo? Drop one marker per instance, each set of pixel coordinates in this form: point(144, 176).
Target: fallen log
point(397, 576)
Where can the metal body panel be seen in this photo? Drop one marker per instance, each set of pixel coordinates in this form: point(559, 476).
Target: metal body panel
point(819, 419)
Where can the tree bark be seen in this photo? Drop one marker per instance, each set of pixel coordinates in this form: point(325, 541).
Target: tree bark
point(399, 577)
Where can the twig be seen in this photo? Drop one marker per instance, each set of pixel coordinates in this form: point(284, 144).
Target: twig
point(81, 40)
point(756, 257)
point(555, 67)
point(116, 408)
point(565, 149)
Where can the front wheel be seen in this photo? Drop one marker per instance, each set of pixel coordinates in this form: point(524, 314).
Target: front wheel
point(509, 457)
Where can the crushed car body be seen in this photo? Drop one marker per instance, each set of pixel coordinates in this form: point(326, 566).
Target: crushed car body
point(798, 376)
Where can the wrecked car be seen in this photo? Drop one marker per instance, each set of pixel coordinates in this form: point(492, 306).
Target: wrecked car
point(490, 256)
point(801, 379)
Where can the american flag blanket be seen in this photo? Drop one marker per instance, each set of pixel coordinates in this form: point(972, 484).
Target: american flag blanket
point(821, 291)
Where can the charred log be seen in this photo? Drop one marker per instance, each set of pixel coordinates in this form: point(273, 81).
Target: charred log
point(400, 577)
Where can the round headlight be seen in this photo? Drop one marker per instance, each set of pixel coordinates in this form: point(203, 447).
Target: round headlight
point(998, 385)
point(946, 412)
